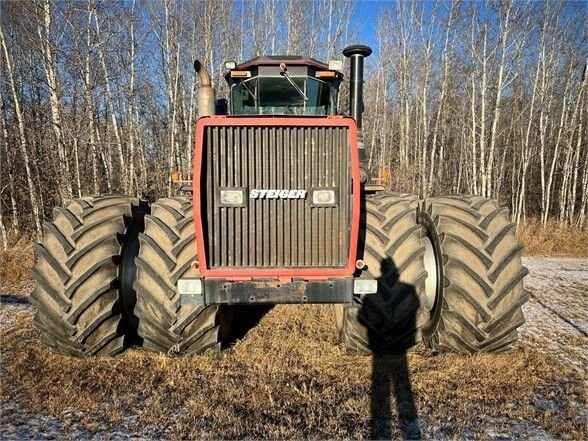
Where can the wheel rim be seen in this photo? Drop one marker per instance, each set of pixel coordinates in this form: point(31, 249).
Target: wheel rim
point(433, 261)
point(432, 276)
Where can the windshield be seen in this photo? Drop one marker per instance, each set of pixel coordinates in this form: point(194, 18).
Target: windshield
point(276, 95)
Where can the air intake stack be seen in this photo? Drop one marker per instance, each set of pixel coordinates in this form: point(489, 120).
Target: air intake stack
point(356, 53)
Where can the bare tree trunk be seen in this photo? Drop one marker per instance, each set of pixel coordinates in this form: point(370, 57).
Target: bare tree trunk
point(131, 181)
point(6, 146)
point(424, 185)
point(35, 206)
point(474, 159)
point(110, 99)
point(88, 98)
point(568, 166)
point(580, 223)
point(483, 94)
point(3, 232)
point(375, 127)
point(500, 84)
point(577, 154)
point(525, 147)
point(77, 164)
point(10, 166)
point(440, 105)
point(172, 74)
point(106, 163)
point(49, 64)
point(554, 161)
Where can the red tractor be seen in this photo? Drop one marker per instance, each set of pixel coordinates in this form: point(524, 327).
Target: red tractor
point(280, 212)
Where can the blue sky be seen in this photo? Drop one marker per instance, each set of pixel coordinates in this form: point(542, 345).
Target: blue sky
point(365, 19)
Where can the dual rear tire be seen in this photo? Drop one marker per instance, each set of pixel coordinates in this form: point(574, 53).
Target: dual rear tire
point(79, 310)
point(458, 289)
point(86, 301)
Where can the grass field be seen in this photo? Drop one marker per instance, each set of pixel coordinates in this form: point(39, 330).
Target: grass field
point(554, 239)
point(288, 378)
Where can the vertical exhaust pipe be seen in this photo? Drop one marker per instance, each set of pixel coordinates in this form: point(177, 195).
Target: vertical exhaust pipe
point(356, 53)
point(206, 94)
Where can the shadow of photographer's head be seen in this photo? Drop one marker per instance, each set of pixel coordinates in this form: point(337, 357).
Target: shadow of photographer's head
point(390, 315)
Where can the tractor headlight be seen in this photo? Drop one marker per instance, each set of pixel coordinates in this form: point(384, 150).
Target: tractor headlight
point(189, 286)
point(232, 197)
point(365, 286)
point(324, 197)
point(191, 291)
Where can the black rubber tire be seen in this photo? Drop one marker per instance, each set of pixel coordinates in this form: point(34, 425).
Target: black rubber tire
point(76, 295)
point(482, 296)
point(166, 254)
point(388, 321)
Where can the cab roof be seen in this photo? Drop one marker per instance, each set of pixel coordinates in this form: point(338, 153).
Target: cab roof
point(271, 60)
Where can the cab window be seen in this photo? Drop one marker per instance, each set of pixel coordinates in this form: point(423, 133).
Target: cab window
point(278, 96)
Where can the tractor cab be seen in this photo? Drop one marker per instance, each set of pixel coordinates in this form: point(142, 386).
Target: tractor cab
point(284, 85)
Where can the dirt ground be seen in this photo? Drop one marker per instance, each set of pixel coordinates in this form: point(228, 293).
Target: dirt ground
point(288, 379)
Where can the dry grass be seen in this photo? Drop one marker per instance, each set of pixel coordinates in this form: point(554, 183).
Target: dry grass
point(16, 263)
point(555, 239)
point(289, 379)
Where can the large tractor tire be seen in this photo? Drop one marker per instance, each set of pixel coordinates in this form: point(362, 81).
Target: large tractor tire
point(478, 308)
point(389, 320)
point(167, 252)
point(77, 274)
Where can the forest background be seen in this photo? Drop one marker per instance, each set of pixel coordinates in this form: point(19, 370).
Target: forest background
point(477, 97)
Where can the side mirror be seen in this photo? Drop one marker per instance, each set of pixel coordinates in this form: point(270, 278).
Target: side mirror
point(221, 106)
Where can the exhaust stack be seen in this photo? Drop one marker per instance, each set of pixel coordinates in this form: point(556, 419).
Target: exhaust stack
point(356, 53)
point(206, 94)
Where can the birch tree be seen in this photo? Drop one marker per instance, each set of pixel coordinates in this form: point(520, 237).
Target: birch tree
point(23, 142)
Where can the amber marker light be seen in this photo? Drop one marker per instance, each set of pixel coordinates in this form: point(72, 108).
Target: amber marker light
point(175, 176)
point(240, 74)
point(326, 74)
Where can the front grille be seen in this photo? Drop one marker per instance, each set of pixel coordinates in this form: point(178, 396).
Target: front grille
point(276, 232)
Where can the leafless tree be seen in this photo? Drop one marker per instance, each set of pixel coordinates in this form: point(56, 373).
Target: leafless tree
point(486, 97)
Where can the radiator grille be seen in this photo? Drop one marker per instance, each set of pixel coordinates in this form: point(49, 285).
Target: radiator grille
point(276, 232)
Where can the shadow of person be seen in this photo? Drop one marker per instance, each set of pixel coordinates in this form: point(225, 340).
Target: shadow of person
point(390, 318)
point(243, 319)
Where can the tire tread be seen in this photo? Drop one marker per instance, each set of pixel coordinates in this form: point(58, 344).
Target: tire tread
point(164, 323)
point(490, 285)
point(69, 284)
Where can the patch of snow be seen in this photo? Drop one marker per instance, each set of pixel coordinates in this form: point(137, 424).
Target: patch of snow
point(557, 311)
